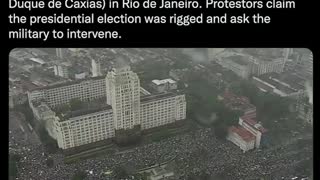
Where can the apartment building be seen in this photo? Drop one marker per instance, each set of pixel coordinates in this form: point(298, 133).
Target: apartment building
point(161, 109)
point(85, 90)
point(75, 129)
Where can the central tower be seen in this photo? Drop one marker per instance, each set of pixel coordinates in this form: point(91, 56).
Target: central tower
point(123, 94)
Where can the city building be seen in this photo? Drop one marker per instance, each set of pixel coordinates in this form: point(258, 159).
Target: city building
point(164, 85)
point(178, 74)
point(237, 64)
point(241, 137)
point(307, 60)
point(285, 84)
point(61, 53)
point(95, 68)
point(159, 172)
point(305, 105)
point(245, 65)
point(62, 69)
point(248, 134)
point(249, 122)
point(62, 93)
point(112, 106)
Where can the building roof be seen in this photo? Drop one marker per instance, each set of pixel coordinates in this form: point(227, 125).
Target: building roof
point(153, 97)
point(251, 119)
point(84, 111)
point(163, 81)
point(243, 133)
point(288, 82)
point(68, 83)
point(37, 60)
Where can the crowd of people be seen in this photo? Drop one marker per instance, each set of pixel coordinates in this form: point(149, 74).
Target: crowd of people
point(194, 153)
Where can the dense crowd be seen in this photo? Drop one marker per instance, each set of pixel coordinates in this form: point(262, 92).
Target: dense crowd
point(193, 153)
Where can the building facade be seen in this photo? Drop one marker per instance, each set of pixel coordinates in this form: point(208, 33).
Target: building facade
point(242, 138)
point(123, 94)
point(61, 70)
point(237, 64)
point(124, 109)
point(84, 90)
point(162, 109)
point(249, 134)
point(263, 66)
point(164, 85)
point(83, 129)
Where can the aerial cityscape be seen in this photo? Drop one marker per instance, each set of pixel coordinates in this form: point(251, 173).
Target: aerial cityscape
point(160, 114)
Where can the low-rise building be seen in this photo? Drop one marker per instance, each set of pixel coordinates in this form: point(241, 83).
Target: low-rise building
point(249, 122)
point(249, 134)
point(241, 137)
point(164, 85)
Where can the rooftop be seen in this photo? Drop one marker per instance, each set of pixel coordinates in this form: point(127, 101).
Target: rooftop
point(236, 102)
point(152, 97)
point(288, 82)
point(88, 108)
point(163, 81)
point(243, 133)
point(251, 120)
point(68, 83)
point(37, 60)
point(242, 60)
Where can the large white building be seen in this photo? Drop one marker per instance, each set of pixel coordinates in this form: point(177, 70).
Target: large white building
point(122, 109)
point(85, 90)
point(246, 65)
point(123, 94)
